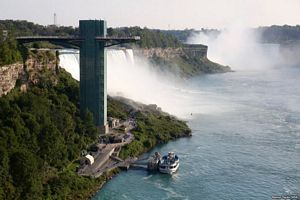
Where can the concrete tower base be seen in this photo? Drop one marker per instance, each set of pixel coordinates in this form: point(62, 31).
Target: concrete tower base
point(103, 129)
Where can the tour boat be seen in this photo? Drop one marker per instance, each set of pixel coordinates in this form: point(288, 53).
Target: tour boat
point(169, 163)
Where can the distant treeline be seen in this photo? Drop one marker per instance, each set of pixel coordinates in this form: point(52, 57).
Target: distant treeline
point(9, 52)
point(269, 34)
point(149, 38)
point(183, 35)
point(280, 34)
point(9, 29)
point(25, 28)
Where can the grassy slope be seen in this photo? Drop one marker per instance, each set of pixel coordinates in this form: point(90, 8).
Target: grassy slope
point(153, 126)
point(188, 67)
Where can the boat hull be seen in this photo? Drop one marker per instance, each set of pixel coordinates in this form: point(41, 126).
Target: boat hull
point(165, 169)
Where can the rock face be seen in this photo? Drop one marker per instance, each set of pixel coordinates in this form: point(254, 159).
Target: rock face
point(34, 67)
point(167, 53)
point(192, 50)
point(27, 74)
point(8, 77)
point(196, 50)
point(186, 61)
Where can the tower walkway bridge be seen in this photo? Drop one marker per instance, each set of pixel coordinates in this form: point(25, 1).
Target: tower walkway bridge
point(92, 41)
point(75, 42)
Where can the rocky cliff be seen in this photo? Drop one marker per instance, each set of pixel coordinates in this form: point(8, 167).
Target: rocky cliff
point(171, 53)
point(8, 77)
point(189, 60)
point(28, 73)
point(166, 53)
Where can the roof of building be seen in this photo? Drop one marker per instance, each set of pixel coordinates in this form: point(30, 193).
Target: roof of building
point(91, 158)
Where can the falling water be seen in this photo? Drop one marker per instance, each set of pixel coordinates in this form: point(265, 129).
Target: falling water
point(135, 78)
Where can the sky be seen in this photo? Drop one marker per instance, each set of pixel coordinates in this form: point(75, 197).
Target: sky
point(162, 14)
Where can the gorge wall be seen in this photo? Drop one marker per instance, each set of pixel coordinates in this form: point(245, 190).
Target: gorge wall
point(28, 73)
point(187, 61)
point(193, 50)
point(8, 77)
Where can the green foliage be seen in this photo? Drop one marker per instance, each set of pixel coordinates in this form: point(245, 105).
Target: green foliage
point(40, 134)
point(9, 52)
point(25, 174)
point(183, 35)
point(52, 148)
point(269, 34)
point(149, 37)
point(188, 66)
point(4, 166)
point(43, 44)
point(116, 109)
point(154, 128)
point(68, 185)
point(25, 28)
point(280, 34)
point(89, 127)
point(194, 65)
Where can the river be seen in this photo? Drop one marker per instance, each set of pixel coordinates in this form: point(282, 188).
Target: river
point(245, 144)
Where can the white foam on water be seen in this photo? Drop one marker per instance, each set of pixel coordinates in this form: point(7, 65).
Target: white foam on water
point(147, 177)
point(170, 192)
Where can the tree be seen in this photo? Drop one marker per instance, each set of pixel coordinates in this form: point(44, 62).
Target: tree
point(25, 174)
point(8, 50)
point(52, 147)
point(89, 127)
point(4, 166)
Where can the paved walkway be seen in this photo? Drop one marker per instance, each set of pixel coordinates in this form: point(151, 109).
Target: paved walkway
point(102, 159)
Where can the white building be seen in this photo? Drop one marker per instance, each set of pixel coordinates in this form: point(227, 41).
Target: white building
point(88, 160)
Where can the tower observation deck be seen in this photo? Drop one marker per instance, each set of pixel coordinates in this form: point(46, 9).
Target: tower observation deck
point(93, 68)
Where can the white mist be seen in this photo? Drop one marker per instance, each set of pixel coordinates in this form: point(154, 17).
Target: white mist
point(135, 78)
point(239, 48)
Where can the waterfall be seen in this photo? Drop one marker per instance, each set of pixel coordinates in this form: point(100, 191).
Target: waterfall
point(69, 60)
point(121, 70)
point(136, 78)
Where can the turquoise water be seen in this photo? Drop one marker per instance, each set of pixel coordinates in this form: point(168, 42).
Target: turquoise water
point(245, 145)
